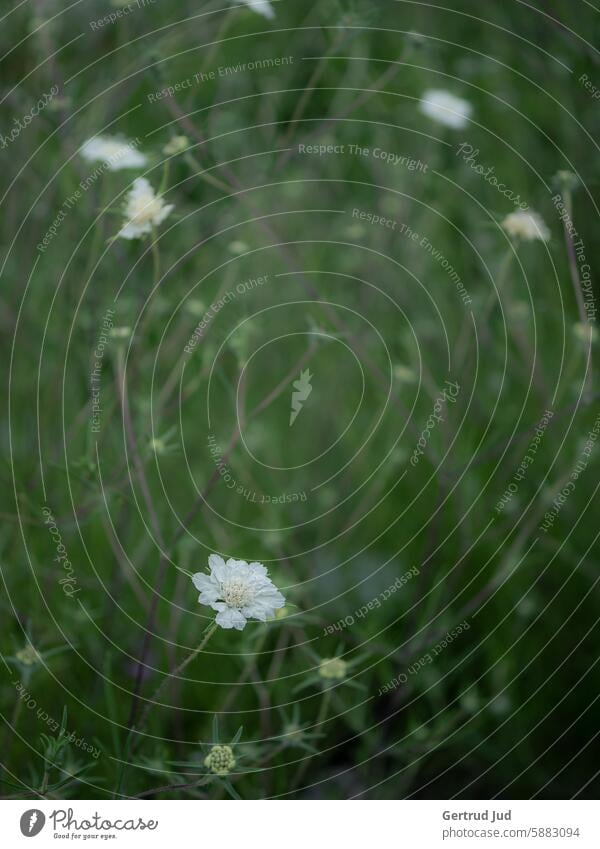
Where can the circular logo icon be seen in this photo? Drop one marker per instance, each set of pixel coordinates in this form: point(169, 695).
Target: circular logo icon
point(32, 822)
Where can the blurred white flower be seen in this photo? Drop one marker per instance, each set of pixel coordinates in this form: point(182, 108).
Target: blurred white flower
point(115, 153)
point(238, 247)
point(143, 211)
point(263, 7)
point(526, 225)
point(238, 591)
point(446, 108)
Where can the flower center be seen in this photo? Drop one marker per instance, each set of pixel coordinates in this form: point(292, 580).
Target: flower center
point(237, 593)
point(220, 760)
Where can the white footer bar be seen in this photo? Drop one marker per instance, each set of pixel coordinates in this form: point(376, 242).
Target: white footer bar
point(302, 824)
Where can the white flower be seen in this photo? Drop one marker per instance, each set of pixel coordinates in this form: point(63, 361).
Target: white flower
point(238, 591)
point(143, 210)
point(263, 7)
point(526, 225)
point(446, 108)
point(115, 153)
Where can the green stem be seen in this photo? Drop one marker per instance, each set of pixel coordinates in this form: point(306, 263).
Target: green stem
point(11, 728)
point(199, 171)
point(165, 178)
point(500, 284)
point(155, 258)
point(461, 347)
point(44, 785)
point(143, 325)
point(321, 716)
point(174, 674)
point(572, 257)
point(225, 24)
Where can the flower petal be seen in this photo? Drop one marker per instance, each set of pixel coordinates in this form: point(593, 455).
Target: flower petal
point(262, 7)
point(166, 210)
point(271, 597)
point(257, 611)
point(217, 567)
point(236, 564)
point(202, 581)
point(265, 604)
point(210, 589)
point(134, 231)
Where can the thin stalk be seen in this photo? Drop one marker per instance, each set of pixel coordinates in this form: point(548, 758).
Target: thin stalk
point(220, 36)
point(461, 347)
point(321, 717)
point(157, 693)
point(572, 257)
point(317, 73)
point(574, 273)
point(381, 81)
point(12, 726)
point(155, 258)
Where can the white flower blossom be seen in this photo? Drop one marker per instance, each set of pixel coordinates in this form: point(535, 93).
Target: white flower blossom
point(446, 108)
point(263, 7)
point(143, 211)
point(526, 225)
point(238, 591)
point(115, 153)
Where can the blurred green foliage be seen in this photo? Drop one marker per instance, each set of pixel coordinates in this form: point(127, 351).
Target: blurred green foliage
point(502, 709)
